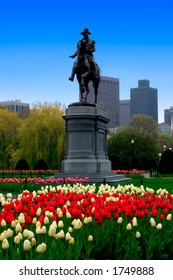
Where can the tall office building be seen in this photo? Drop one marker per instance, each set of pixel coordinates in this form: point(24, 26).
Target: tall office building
point(108, 98)
point(168, 116)
point(124, 112)
point(144, 100)
point(16, 106)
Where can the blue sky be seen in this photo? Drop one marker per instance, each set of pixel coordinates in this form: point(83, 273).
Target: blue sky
point(133, 41)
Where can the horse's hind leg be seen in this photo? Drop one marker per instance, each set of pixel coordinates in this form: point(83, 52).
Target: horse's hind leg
point(87, 91)
point(95, 92)
point(95, 101)
point(81, 94)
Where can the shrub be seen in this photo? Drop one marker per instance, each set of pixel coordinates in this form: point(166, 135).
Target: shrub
point(22, 165)
point(116, 162)
point(41, 165)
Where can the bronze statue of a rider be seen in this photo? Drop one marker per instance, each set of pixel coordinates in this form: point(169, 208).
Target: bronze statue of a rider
point(84, 53)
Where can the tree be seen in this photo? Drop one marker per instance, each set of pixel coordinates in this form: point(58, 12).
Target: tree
point(144, 125)
point(145, 136)
point(120, 144)
point(165, 140)
point(41, 136)
point(9, 122)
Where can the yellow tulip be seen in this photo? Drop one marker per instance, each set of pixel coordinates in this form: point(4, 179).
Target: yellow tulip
point(20, 235)
point(17, 239)
point(3, 223)
point(77, 223)
point(61, 234)
point(70, 229)
point(153, 223)
point(3, 235)
point(34, 220)
point(38, 230)
point(60, 214)
point(5, 244)
point(28, 234)
point(71, 241)
point(52, 231)
point(33, 242)
point(169, 217)
point(68, 215)
point(9, 232)
point(129, 226)
point(18, 228)
point(13, 224)
point(60, 224)
point(41, 248)
point(54, 223)
point(38, 224)
point(46, 220)
point(90, 219)
point(43, 229)
point(90, 238)
point(68, 236)
point(21, 218)
point(38, 212)
point(159, 226)
point(85, 221)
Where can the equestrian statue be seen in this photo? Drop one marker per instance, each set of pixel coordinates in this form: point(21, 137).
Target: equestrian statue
point(85, 67)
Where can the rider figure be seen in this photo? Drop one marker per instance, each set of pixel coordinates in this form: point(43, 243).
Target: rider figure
point(85, 49)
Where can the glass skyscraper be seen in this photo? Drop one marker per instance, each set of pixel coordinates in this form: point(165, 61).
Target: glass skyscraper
point(144, 100)
point(108, 98)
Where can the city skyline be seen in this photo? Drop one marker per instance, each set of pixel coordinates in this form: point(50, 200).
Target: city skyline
point(133, 42)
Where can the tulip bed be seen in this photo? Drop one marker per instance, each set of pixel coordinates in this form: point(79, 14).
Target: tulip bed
point(77, 221)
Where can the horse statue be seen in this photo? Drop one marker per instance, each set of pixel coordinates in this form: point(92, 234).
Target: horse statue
point(84, 77)
point(85, 67)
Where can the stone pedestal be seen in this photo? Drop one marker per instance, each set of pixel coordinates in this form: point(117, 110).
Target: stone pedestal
point(86, 144)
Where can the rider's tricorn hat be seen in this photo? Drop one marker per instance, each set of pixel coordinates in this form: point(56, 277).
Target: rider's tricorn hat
point(85, 31)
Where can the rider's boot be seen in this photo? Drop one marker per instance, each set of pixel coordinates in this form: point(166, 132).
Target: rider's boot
point(71, 78)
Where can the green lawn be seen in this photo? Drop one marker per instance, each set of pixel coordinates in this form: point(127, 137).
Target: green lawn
point(154, 183)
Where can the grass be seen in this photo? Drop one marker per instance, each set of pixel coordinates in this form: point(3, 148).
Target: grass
point(154, 182)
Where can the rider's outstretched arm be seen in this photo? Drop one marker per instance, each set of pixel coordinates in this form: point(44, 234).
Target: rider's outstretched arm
point(74, 55)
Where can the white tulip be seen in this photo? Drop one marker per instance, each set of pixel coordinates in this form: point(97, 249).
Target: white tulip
point(138, 235)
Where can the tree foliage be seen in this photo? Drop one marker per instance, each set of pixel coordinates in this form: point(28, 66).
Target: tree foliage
point(144, 125)
point(143, 130)
point(9, 122)
point(166, 140)
point(41, 136)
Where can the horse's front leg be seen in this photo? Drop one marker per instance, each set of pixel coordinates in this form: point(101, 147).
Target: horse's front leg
point(87, 92)
point(81, 94)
